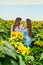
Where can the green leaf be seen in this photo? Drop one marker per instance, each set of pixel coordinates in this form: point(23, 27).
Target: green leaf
point(41, 58)
point(13, 62)
point(8, 45)
point(21, 61)
point(8, 51)
point(0, 63)
point(30, 58)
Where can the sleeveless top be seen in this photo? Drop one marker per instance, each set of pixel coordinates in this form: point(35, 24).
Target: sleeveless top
point(18, 29)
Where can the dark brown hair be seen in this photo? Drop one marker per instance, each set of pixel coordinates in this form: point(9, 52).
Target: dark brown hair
point(18, 19)
point(28, 21)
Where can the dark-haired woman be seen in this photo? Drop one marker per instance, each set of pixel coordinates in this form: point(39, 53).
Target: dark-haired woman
point(27, 32)
point(17, 27)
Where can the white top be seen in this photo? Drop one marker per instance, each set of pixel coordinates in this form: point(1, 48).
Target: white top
point(18, 29)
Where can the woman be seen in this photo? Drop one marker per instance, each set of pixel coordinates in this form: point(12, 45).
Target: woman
point(27, 32)
point(17, 27)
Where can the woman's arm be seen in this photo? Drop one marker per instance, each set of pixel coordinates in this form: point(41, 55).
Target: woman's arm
point(11, 28)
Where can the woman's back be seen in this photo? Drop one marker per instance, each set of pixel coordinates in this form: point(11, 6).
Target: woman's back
point(25, 32)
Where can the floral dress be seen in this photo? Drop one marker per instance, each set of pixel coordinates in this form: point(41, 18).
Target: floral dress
point(27, 39)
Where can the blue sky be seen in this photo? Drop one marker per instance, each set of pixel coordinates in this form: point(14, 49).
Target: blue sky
point(10, 9)
point(34, 12)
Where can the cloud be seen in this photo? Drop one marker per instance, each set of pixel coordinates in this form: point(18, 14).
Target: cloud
point(20, 2)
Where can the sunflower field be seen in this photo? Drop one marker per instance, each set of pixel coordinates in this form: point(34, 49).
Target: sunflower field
point(12, 48)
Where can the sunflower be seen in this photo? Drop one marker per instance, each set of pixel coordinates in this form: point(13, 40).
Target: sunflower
point(14, 44)
point(21, 49)
point(24, 52)
point(18, 49)
point(14, 34)
point(37, 43)
point(20, 35)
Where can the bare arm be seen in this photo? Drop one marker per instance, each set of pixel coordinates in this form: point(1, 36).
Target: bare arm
point(11, 28)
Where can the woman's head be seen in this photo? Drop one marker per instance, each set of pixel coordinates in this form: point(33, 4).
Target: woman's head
point(17, 21)
point(28, 22)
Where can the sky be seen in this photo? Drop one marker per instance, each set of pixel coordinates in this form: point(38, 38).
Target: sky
point(10, 9)
point(20, 2)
